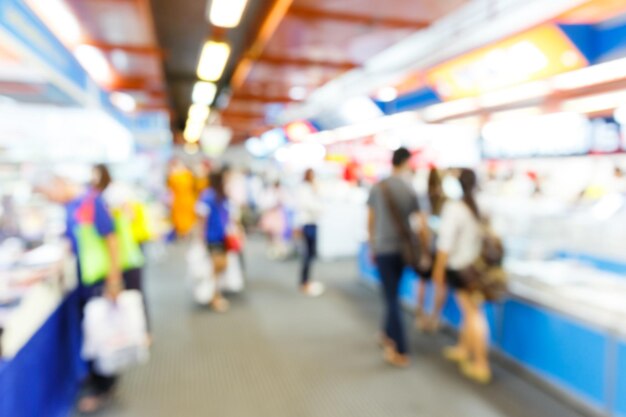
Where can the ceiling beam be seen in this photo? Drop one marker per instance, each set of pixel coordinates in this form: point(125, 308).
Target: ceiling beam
point(136, 83)
point(305, 62)
point(312, 14)
point(242, 114)
point(269, 26)
point(261, 98)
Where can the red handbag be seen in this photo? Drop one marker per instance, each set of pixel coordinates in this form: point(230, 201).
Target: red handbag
point(233, 243)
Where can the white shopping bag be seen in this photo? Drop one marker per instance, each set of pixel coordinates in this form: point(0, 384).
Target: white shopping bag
point(232, 279)
point(200, 273)
point(115, 333)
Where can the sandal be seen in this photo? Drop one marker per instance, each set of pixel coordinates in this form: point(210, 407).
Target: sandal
point(392, 357)
point(455, 354)
point(220, 305)
point(476, 374)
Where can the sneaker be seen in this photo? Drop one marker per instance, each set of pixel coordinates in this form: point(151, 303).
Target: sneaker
point(314, 289)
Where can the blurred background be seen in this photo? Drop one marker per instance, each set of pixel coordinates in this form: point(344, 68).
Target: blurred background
point(531, 94)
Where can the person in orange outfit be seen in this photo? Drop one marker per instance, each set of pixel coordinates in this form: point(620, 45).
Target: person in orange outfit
point(181, 183)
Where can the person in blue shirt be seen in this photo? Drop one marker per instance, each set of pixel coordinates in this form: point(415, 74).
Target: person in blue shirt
point(99, 387)
point(214, 209)
point(90, 207)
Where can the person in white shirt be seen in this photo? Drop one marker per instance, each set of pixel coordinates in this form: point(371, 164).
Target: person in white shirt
point(458, 246)
point(309, 210)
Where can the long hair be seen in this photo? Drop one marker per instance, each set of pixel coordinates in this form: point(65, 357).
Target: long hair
point(216, 181)
point(436, 196)
point(467, 178)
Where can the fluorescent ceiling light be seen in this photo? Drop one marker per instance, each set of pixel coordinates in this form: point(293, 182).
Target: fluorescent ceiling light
point(193, 131)
point(94, 62)
point(199, 113)
point(203, 93)
point(595, 103)
point(226, 13)
point(213, 60)
point(61, 18)
point(387, 94)
point(124, 102)
point(597, 74)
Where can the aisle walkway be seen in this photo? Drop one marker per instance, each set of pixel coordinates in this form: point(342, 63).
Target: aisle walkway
point(278, 354)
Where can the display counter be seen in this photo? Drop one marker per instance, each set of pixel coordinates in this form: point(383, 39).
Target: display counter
point(564, 321)
point(40, 366)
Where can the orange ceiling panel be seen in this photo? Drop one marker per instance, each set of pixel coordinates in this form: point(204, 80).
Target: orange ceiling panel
point(331, 41)
point(241, 106)
point(411, 10)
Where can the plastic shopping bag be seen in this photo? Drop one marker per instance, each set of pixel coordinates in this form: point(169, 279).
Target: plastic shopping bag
point(200, 273)
point(115, 333)
point(232, 279)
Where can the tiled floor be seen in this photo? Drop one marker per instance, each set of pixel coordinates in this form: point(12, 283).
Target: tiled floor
point(279, 354)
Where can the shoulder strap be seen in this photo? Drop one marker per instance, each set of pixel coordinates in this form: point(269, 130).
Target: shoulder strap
point(399, 224)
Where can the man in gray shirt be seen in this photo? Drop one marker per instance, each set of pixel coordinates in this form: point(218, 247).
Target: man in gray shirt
point(386, 242)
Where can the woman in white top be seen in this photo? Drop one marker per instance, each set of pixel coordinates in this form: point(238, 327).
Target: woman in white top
point(309, 210)
point(458, 246)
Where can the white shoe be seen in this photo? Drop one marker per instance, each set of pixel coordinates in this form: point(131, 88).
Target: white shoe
point(314, 289)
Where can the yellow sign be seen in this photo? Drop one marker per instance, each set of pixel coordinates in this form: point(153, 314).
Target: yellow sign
point(539, 53)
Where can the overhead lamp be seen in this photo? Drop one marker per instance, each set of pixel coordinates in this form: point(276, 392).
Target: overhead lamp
point(199, 113)
point(226, 13)
point(95, 63)
point(203, 93)
point(213, 60)
point(124, 102)
point(586, 77)
point(193, 131)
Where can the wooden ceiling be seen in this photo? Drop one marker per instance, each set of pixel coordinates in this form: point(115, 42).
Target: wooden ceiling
point(317, 41)
point(282, 51)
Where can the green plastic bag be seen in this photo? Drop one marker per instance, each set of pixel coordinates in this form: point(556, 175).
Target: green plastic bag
point(130, 252)
point(93, 254)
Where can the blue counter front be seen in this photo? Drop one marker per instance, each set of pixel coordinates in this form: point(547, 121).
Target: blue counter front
point(42, 380)
point(570, 355)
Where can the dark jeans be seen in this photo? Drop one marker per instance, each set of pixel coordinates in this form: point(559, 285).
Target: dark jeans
point(309, 235)
point(391, 267)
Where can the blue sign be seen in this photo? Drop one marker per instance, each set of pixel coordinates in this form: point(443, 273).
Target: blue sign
point(35, 37)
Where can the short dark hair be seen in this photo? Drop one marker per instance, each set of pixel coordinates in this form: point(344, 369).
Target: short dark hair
point(400, 156)
point(104, 179)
